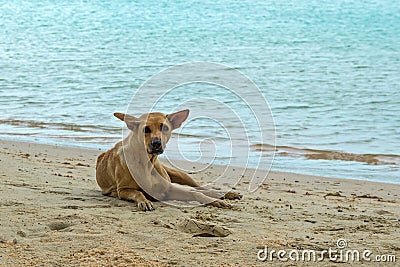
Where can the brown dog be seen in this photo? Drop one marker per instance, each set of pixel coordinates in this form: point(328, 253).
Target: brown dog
point(131, 169)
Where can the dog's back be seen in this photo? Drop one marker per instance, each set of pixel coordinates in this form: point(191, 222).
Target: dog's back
point(105, 167)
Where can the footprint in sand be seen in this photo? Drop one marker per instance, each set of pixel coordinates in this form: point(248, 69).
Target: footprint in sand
point(203, 229)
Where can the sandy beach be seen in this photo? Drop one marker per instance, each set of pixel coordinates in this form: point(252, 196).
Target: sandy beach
point(53, 214)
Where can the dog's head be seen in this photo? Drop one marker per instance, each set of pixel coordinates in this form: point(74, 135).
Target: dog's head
point(154, 128)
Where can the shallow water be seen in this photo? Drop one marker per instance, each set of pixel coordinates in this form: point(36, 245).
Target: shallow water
point(329, 70)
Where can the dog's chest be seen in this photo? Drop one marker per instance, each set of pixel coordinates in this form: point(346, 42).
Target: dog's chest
point(158, 170)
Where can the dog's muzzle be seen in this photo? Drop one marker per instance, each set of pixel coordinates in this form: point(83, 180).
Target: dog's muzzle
point(156, 147)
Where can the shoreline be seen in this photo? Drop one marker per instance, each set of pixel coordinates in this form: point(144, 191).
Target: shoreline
point(53, 213)
point(100, 150)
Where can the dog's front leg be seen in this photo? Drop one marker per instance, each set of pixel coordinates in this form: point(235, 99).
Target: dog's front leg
point(126, 192)
point(143, 203)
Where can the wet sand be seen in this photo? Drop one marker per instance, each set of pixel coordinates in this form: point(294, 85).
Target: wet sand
point(53, 214)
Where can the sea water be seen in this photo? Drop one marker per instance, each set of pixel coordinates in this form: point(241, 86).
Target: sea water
point(330, 71)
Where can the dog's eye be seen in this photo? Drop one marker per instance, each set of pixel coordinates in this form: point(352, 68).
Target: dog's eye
point(147, 129)
point(164, 128)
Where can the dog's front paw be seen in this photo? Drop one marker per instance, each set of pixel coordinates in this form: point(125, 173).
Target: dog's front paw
point(220, 204)
point(232, 196)
point(145, 205)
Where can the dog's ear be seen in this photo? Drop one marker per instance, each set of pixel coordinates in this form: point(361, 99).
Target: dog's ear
point(177, 118)
point(120, 116)
point(131, 121)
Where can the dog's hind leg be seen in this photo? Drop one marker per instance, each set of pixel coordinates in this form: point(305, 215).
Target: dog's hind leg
point(183, 194)
point(184, 179)
point(180, 177)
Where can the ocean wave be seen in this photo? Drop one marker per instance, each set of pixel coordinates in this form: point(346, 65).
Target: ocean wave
point(315, 154)
point(59, 126)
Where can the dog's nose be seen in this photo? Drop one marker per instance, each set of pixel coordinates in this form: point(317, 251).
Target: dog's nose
point(156, 143)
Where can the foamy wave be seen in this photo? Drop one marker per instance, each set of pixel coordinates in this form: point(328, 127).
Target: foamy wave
point(59, 126)
point(373, 159)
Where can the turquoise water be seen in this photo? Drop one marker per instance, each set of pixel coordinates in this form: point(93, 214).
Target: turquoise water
point(330, 71)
